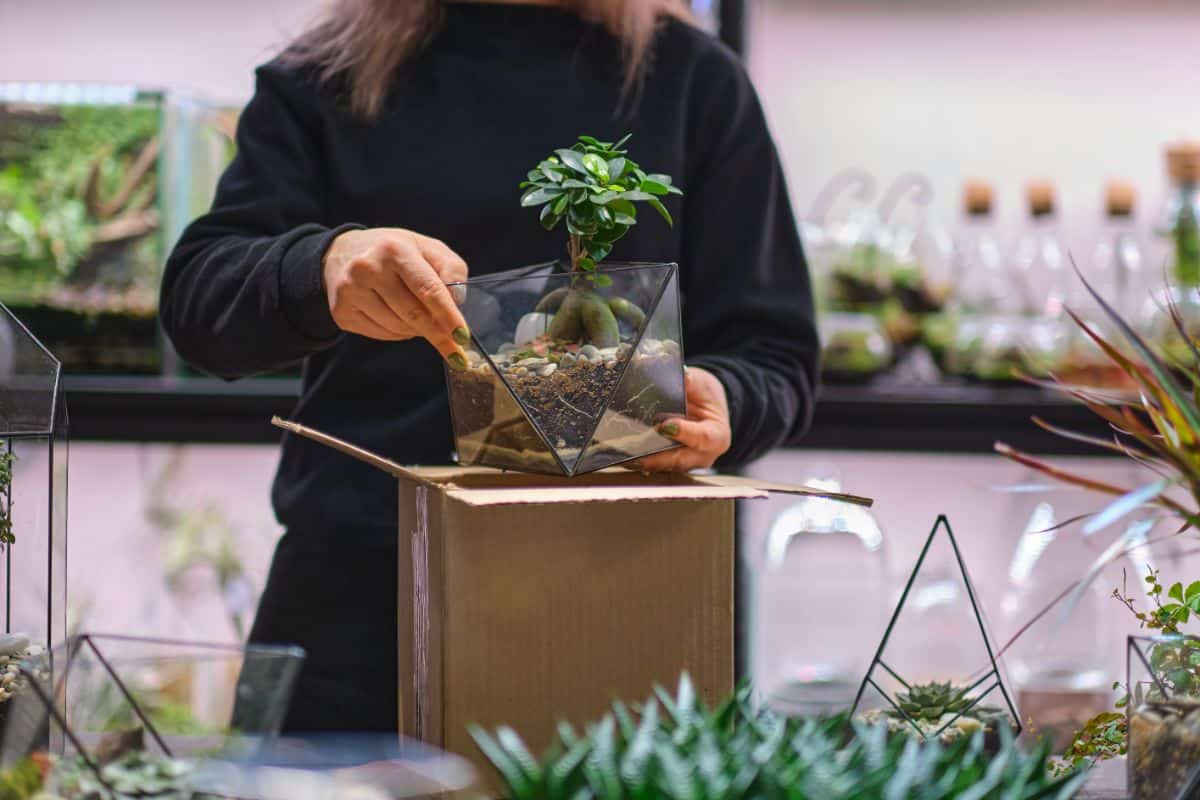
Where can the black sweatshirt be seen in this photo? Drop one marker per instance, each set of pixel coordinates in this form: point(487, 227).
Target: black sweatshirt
point(498, 89)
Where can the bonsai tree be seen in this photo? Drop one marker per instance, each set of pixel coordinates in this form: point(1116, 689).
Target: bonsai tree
point(594, 188)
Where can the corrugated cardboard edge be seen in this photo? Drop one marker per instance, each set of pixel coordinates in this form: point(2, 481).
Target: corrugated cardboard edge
point(716, 487)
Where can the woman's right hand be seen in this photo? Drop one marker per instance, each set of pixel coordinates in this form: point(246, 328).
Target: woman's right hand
point(390, 284)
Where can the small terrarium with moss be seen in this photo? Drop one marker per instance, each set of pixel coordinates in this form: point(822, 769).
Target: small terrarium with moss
point(854, 347)
point(1163, 709)
point(572, 366)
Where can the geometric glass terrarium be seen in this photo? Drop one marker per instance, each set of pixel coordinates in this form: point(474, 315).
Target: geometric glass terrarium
point(935, 674)
point(1163, 716)
point(125, 714)
point(536, 396)
point(33, 493)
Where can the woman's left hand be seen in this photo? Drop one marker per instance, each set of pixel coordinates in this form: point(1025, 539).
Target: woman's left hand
point(704, 434)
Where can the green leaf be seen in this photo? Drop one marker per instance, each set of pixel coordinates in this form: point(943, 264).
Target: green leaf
point(617, 145)
point(654, 187)
point(508, 767)
point(596, 166)
point(636, 195)
point(548, 217)
point(624, 219)
point(560, 205)
point(662, 210)
point(600, 280)
point(615, 167)
point(574, 160)
point(1176, 592)
point(1192, 592)
point(539, 195)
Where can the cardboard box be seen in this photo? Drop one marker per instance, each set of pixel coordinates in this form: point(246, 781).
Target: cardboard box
point(530, 599)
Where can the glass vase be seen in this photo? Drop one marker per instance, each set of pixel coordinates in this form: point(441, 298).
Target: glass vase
point(568, 374)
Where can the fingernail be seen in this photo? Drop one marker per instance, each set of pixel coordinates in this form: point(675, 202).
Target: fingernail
point(668, 429)
point(457, 360)
point(462, 335)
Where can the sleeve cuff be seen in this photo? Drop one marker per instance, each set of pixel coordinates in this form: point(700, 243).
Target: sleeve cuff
point(302, 296)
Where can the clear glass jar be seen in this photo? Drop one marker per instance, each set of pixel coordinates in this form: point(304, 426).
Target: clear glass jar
point(1181, 218)
point(1044, 280)
point(822, 603)
point(1061, 668)
point(853, 346)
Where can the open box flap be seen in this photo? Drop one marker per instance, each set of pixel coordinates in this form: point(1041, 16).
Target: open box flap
point(482, 486)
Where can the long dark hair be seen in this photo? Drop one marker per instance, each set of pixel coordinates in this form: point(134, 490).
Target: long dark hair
point(365, 41)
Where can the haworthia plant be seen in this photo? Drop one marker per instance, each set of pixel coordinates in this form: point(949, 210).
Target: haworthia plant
point(675, 748)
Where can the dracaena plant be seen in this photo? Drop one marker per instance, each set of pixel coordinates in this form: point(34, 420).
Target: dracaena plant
point(674, 747)
point(1156, 427)
point(593, 188)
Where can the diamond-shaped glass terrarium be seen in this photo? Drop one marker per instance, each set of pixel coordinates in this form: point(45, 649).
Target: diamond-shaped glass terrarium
point(935, 674)
point(129, 714)
point(1164, 716)
point(33, 497)
point(564, 391)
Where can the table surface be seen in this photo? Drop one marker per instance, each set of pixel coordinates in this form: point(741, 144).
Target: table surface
point(1107, 782)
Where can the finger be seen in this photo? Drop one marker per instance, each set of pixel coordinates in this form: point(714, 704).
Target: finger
point(665, 461)
point(706, 436)
point(425, 284)
point(406, 310)
point(363, 325)
point(368, 303)
point(448, 264)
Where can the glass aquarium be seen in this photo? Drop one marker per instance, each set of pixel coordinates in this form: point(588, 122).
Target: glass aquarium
point(33, 499)
point(96, 183)
point(566, 375)
point(935, 674)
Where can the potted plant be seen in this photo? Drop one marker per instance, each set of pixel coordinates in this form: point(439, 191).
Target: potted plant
point(571, 366)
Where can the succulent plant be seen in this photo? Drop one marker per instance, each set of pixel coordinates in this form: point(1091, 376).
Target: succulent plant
point(931, 700)
point(675, 747)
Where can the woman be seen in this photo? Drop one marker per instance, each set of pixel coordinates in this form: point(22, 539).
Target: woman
point(379, 159)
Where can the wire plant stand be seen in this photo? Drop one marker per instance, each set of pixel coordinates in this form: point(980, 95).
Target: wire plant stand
point(978, 684)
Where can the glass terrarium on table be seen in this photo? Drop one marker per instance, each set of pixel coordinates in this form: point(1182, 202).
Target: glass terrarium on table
point(1164, 714)
point(935, 674)
point(132, 715)
point(81, 212)
point(575, 366)
point(540, 396)
point(33, 501)
point(811, 645)
point(854, 347)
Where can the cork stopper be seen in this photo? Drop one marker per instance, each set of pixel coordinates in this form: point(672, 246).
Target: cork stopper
point(1119, 197)
point(1183, 162)
point(1040, 195)
point(977, 198)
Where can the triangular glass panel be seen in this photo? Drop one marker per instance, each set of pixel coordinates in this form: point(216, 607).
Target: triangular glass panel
point(935, 673)
point(563, 376)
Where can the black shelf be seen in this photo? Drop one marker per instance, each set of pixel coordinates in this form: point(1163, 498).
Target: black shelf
point(927, 419)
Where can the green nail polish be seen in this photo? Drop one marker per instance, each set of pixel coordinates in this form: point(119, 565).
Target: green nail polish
point(462, 335)
point(456, 361)
point(668, 429)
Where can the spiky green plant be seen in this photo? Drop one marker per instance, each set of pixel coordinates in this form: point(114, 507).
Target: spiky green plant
point(675, 747)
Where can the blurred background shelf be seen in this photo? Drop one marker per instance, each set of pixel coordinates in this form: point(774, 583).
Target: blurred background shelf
point(925, 419)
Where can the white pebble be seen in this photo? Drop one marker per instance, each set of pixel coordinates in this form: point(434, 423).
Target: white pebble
point(567, 360)
point(533, 362)
point(531, 326)
point(547, 370)
point(589, 350)
point(670, 347)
